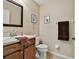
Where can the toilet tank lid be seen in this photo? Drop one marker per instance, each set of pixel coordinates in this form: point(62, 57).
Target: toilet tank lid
point(42, 46)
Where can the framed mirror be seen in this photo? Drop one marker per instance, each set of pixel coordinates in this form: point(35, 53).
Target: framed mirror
point(12, 14)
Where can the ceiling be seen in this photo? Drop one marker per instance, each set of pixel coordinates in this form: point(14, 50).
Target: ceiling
point(40, 2)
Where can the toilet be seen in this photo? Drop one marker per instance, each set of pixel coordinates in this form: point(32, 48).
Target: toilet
point(41, 49)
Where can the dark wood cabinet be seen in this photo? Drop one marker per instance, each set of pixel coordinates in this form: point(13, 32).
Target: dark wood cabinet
point(13, 56)
point(17, 51)
point(12, 51)
point(21, 54)
point(29, 52)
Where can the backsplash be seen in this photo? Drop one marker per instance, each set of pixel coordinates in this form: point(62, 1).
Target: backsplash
point(12, 30)
point(6, 34)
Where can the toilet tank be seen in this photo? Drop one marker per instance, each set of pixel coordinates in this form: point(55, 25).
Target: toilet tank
point(37, 41)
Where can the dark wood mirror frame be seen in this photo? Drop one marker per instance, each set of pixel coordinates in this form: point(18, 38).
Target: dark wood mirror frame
point(13, 25)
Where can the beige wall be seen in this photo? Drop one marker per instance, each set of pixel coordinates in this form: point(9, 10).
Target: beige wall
point(58, 10)
point(29, 7)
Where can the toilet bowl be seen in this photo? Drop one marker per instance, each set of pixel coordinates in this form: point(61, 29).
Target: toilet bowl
point(41, 49)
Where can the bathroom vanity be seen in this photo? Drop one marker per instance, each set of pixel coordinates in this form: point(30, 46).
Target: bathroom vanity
point(17, 51)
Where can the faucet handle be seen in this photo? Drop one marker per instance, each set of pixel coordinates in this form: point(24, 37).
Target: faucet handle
point(13, 34)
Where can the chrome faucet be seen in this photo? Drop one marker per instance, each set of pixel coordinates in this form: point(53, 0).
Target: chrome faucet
point(13, 34)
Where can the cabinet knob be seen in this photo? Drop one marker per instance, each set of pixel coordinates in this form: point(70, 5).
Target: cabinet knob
point(21, 52)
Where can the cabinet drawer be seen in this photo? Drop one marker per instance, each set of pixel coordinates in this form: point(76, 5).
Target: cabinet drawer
point(10, 49)
point(31, 42)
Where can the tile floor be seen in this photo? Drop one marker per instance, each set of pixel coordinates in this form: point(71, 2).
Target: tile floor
point(51, 56)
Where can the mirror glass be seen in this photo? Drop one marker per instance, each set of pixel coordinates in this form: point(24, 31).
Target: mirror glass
point(11, 13)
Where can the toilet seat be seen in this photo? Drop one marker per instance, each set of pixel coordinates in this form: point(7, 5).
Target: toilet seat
point(42, 46)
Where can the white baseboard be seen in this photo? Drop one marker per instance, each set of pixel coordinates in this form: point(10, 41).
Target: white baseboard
point(60, 55)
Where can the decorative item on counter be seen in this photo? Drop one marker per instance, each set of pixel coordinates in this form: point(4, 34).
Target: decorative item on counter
point(23, 40)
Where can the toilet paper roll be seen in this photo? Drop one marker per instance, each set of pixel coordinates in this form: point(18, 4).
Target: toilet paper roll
point(57, 46)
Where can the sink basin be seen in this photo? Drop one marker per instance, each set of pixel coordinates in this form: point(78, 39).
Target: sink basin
point(9, 40)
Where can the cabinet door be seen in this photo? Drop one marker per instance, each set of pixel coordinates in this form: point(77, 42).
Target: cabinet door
point(29, 53)
point(15, 55)
point(21, 54)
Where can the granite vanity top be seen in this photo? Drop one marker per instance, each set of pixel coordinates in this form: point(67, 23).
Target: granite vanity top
point(9, 40)
point(12, 40)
